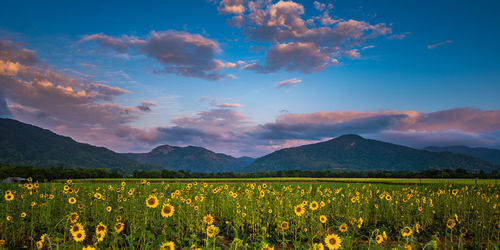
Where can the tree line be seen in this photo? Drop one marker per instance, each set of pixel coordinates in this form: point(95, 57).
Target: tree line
point(48, 174)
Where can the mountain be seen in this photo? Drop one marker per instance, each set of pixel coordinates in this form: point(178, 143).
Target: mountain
point(190, 158)
point(27, 145)
point(352, 152)
point(489, 154)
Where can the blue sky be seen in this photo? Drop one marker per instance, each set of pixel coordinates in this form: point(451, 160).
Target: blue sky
point(288, 73)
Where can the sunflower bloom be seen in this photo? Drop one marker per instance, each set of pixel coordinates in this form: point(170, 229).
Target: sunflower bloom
point(152, 201)
point(333, 241)
point(314, 205)
point(167, 245)
point(406, 232)
point(322, 219)
point(79, 236)
point(211, 231)
point(167, 210)
point(379, 239)
point(451, 223)
point(208, 219)
point(299, 210)
point(119, 227)
point(343, 228)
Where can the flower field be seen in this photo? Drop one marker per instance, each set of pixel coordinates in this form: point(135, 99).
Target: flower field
point(248, 215)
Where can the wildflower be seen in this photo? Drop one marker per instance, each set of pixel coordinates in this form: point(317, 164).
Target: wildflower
point(108, 208)
point(299, 210)
point(211, 231)
point(79, 236)
point(322, 219)
point(39, 244)
point(333, 241)
point(167, 210)
point(450, 223)
point(101, 228)
point(343, 227)
point(314, 205)
point(208, 219)
point(406, 232)
point(73, 217)
point(72, 200)
point(152, 201)
point(167, 245)
point(119, 227)
point(23, 214)
point(76, 228)
point(284, 225)
point(9, 196)
point(379, 239)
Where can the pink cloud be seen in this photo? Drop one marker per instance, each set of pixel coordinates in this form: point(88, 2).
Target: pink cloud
point(180, 53)
point(282, 25)
point(433, 46)
point(288, 83)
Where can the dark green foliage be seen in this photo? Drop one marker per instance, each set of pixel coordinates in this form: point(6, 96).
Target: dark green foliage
point(354, 153)
point(489, 154)
point(24, 144)
point(194, 159)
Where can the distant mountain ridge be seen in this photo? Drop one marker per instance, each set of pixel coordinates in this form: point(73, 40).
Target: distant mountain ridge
point(353, 152)
point(191, 158)
point(489, 154)
point(27, 145)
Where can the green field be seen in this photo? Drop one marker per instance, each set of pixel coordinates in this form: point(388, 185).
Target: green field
point(290, 213)
point(297, 179)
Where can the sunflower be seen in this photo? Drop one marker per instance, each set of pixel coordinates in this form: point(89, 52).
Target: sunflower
point(454, 191)
point(99, 236)
point(9, 218)
point(333, 241)
point(72, 200)
point(360, 222)
point(408, 247)
point(9, 196)
point(152, 201)
point(167, 210)
point(73, 217)
point(88, 248)
point(384, 235)
point(450, 223)
point(39, 244)
point(406, 232)
point(343, 228)
point(167, 245)
point(23, 214)
point(208, 219)
point(284, 225)
point(211, 231)
point(322, 219)
point(318, 246)
point(42, 238)
point(98, 196)
point(76, 228)
point(420, 209)
point(267, 247)
point(79, 236)
point(388, 197)
point(101, 228)
point(379, 239)
point(119, 227)
point(314, 205)
point(299, 210)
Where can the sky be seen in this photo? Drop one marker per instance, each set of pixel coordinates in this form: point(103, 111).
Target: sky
point(247, 78)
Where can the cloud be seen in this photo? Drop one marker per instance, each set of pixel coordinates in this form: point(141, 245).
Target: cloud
point(433, 46)
point(305, 57)
point(225, 105)
point(460, 126)
point(298, 44)
point(231, 7)
point(288, 83)
point(400, 36)
point(41, 95)
point(180, 53)
point(146, 106)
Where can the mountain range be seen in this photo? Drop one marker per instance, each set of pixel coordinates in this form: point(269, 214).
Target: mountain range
point(489, 154)
point(24, 144)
